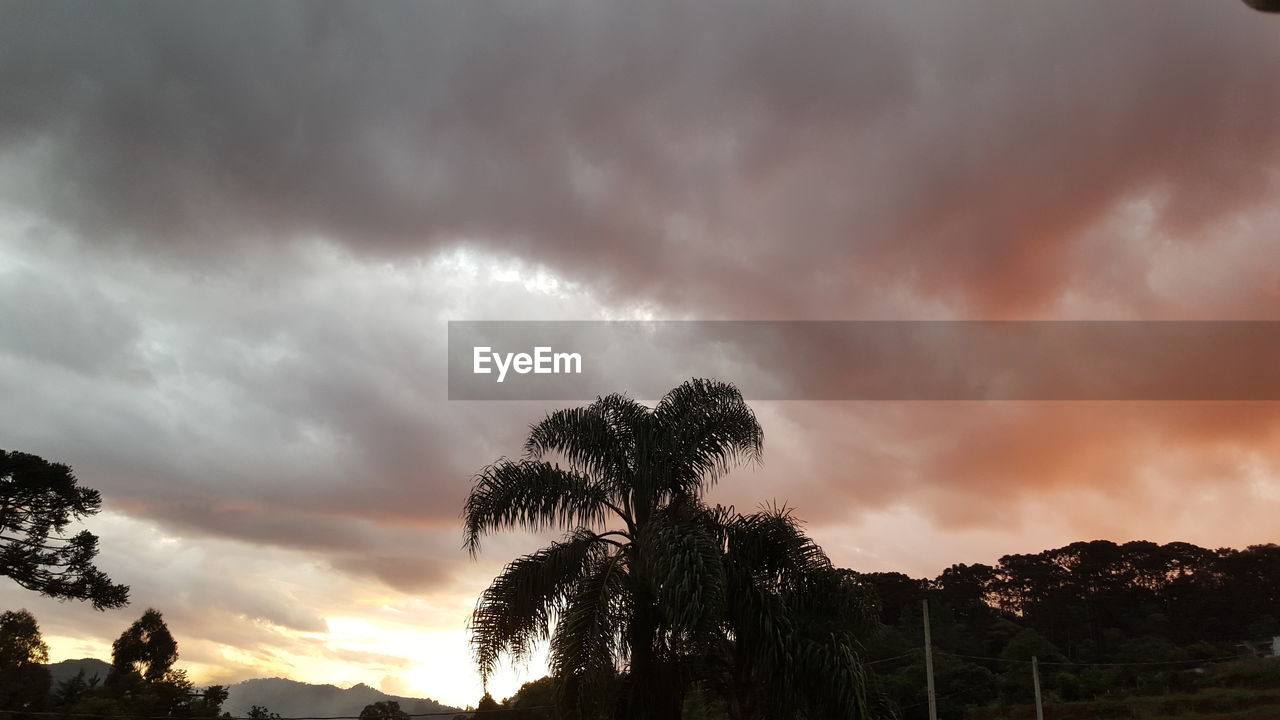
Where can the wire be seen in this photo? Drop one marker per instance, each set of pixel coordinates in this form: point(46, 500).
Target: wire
point(1098, 664)
point(891, 659)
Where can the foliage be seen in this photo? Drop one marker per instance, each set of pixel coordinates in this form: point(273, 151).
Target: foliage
point(146, 649)
point(534, 700)
point(74, 690)
point(649, 589)
point(20, 640)
point(24, 679)
point(1128, 619)
point(142, 682)
point(38, 501)
point(650, 594)
point(636, 578)
point(792, 623)
point(383, 710)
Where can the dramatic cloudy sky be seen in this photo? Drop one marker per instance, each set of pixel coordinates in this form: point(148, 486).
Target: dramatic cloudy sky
point(231, 235)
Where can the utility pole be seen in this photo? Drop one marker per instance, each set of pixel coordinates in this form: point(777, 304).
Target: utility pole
point(928, 665)
point(1035, 680)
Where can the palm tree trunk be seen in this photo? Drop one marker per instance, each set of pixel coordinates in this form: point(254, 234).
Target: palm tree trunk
point(655, 687)
point(739, 701)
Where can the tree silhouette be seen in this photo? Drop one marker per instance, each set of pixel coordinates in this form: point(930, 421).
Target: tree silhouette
point(24, 679)
point(146, 648)
point(637, 580)
point(73, 690)
point(791, 622)
point(38, 500)
point(383, 710)
point(534, 700)
point(1086, 603)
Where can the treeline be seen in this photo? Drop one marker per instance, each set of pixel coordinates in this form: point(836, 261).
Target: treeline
point(1109, 619)
point(142, 681)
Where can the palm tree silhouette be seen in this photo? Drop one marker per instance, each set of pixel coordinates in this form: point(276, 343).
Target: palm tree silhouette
point(791, 623)
point(650, 589)
point(637, 581)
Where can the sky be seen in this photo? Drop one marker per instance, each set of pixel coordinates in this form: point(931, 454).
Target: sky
point(232, 234)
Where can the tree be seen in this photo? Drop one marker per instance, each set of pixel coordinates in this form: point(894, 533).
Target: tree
point(24, 679)
point(791, 622)
point(142, 681)
point(535, 700)
point(210, 701)
point(637, 580)
point(20, 640)
point(38, 501)
point(73, 690)
point(383, 710)
point(487, 704)
point(258, 712)
point(146, 649)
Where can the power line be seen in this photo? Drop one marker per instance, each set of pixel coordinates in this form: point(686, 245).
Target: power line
point(1100, 664)
point(895, 657)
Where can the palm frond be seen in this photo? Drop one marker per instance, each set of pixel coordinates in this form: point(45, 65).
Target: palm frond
point(794, 619)
point(824, 678)
point(772, 546)
point(589, 635)
point(707, 429)
point(533, 495)
point(682, 560)
point(520, 605)
point(598, 439)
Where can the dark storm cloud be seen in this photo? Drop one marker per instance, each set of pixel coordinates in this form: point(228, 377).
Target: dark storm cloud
point(683, 152)
point(538, 127)
point(408, 559)
point(407, 122)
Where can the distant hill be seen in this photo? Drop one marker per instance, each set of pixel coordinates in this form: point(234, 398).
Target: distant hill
point(290, 698)
point(68, 669)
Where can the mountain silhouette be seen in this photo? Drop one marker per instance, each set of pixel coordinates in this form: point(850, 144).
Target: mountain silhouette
point(290, 698)
point(68, 669)
point(287, 698)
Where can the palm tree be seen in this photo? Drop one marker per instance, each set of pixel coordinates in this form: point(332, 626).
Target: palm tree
point(791, 623)
point(638, 582)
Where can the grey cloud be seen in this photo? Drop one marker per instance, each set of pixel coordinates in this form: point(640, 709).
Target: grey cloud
point(672, 152)
point(393, 126)
point(61, 323)
point(305, 413)
point(219, 224)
